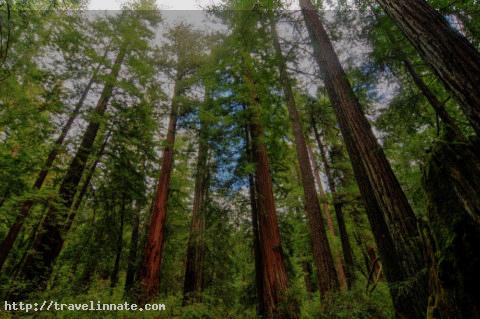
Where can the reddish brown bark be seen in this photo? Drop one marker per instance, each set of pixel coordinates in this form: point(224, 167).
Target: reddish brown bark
point(149, 276)
point(455, 61)
point(391, 217)
point(49, 241)
point(326, 274)
point(275, 280)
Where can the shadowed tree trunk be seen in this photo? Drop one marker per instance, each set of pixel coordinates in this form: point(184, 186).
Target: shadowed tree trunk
point(192, 287)
point(149, 276)
point(455, 61)
point(342, 229)
point(391, 217)
point(49, 241)
point(132, 254)
point(307, 277)
point(86, 184)
point(256, 236)
point(275, 280)
point(452, 183)
point(342, 277)
point(326, 274)
point(119, 246)
point(26, 206)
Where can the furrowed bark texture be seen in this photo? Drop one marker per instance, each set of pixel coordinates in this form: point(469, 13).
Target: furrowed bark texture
point(149, 276)
point(326, 274)
point(392, 219)
point(455, 61)
point(275, 277)
point(193, 282)
point(49, 241)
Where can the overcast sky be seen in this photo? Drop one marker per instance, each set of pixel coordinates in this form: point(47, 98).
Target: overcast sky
point(163, 4)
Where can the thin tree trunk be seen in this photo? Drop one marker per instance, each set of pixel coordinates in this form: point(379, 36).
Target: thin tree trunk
point(433, 101)
point(49, 241)
point(119, 248)
point(321, 192)
point(339, 266)
point(342, 229)
point(256, 236)
point(391, 217)
point(86, 184)
point(307, 277)
point(149, 276)
point(192, 287)
point(132, 254)
point(455, 61)
point(326, 274)
point(438, 107)
point(26, 206)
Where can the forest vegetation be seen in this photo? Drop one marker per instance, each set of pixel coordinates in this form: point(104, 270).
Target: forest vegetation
point(253, 159)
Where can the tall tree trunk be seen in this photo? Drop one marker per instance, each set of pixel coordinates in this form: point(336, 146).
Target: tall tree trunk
point(455, 61)
point(326, 274)
point(49, 241)
point(275, 277)
point(391, 217)
point(119, 248)
point(192, 287)
point(256, 236)
point(342, 229)
point(149, 276)
point(132, 254)
point(26, 206)
point(342, 276)
point(321, 192)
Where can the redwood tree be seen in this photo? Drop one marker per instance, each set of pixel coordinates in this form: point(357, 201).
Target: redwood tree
point(326, 274)
point(455, 60)
point(392, 219)
point(275, 279)
point(149, 276)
